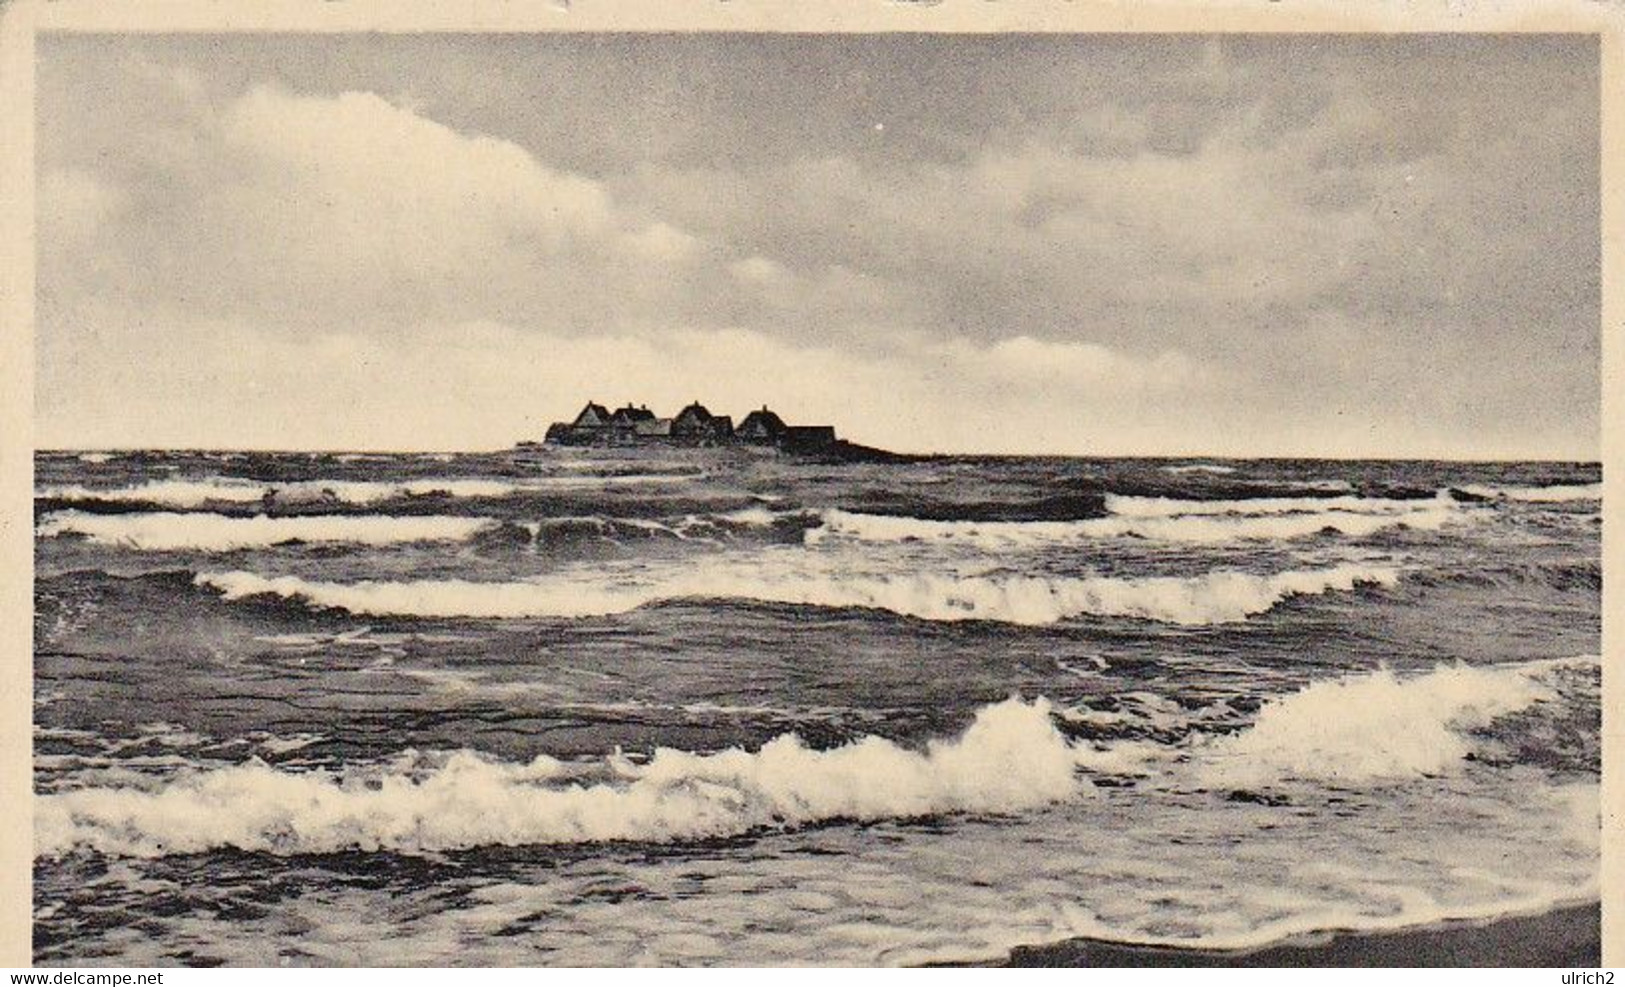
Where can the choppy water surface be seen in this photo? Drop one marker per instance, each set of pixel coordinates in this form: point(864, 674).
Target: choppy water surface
point(705, 707)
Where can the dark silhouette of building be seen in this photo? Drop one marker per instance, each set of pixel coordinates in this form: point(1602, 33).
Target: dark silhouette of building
point(761, 427)
point(694, 425)
point(628, 417)
point(807, 436)
point(697, 423)
point(589, 428)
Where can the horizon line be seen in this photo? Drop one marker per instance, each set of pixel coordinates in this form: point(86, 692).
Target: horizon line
point(1275, 457)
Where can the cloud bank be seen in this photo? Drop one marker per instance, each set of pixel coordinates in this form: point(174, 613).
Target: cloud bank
point(1248, 246)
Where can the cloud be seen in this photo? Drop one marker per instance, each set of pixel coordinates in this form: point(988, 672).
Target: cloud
point(486, 385)
point(1025, 359)
point(380, 179)
point(316, 212)
point(1286, 243)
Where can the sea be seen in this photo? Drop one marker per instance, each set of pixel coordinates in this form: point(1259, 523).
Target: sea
point(721, 707)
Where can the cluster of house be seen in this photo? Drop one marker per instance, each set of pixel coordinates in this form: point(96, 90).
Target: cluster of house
point(596, 425)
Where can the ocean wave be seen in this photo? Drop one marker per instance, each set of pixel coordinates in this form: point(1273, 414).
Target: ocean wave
point(1376, 727)
point(1010, 759)
point(1359, 729)
point(1199, 526)
point(1581, 575)
point(1200, 468)
point(1160, 507)
point(201, 492)
point(1213, 598)
point(169, 532)
point(169, 493)
point(706, 527)
point(1071, 505)
point(364, 492)
point(1556, 494)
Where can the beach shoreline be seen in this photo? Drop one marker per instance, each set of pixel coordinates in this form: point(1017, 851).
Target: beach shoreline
point(1569, 936)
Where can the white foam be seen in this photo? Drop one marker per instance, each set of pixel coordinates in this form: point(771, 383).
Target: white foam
point(1010, 759)
point(197, 493)
point(1124, 506)
point(1541, 495)
point(167, 532)
point(1218, 597)
point(1374, 727)
point(170, 493)
point(435, 597)
point(1197, 527)
point(1200, 468)
point(275, 745)
point(372, 492)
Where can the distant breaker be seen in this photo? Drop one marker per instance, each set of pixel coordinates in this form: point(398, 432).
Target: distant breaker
point(693, 426)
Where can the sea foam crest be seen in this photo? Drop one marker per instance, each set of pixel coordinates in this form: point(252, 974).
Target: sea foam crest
point(1010, 759)
point(232, 490)
point(169, 532)
point(1214, 468)
point(1374, 727)
point(1213, 598)
point(1126, 506)
point(1192, 522)
point(1560, 494)
point(169, 493)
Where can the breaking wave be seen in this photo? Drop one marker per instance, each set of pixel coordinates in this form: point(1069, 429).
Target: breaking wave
point(1195, 522)
point(1357, 730)
point(1157, 507)
point(1011, 758)
point(1213, 598)
point(231, 490)
point(1376, 727)
point(689, 527)
point(1558, 494)
point(165, 532)
point(1213, 468)
point(169, 493)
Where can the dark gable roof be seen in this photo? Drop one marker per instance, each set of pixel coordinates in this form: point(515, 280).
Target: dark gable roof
point(767, 421)
point(631, 415)
point(593, 408)
point(695, 424)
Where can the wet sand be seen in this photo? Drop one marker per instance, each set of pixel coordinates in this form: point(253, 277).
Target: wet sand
point(1566, 937)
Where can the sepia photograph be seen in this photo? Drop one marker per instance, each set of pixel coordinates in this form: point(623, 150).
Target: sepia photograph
point(666, 498)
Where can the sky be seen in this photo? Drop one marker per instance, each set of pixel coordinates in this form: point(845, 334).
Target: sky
point(1300, 245)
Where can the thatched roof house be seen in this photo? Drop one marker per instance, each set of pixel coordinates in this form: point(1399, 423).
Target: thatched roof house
point(594, 415)
point(696, 421)
point(694, 425)
point(629, 417)
point(761, 426)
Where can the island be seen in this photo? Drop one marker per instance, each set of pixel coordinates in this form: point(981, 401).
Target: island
point(695, 425)
point(634, 426)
